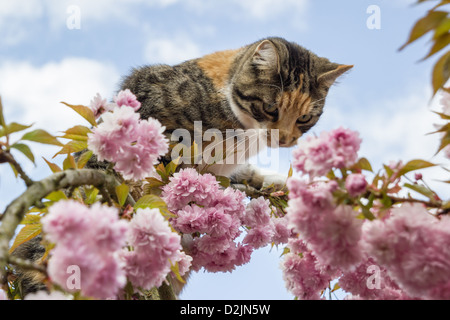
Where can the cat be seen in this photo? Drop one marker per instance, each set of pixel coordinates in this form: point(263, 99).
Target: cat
point(269, 84)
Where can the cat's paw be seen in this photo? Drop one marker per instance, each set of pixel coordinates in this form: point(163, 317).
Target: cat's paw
point(276, 180)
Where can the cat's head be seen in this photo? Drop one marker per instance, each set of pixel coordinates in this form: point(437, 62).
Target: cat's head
point(277, 84)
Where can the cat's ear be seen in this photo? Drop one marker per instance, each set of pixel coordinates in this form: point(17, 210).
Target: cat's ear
point(329, 77)
point(266, 56)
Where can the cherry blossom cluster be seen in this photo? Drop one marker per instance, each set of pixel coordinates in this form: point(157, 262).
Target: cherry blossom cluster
point(107, 250)
point(90, 240)
point(397, 255)
point(154, 249)
point(215, 217)
point(316, 156)
point(133, 144)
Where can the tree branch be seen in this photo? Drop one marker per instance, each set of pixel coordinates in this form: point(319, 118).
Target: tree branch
point(16, 210)
point(5, 156)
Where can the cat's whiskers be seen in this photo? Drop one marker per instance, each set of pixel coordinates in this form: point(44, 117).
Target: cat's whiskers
point(313, 103)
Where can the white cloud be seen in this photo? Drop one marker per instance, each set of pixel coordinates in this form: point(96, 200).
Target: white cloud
point(264, 9)
point(13, 14)
point(32, 94)
point(171, 50)
point(17, 16)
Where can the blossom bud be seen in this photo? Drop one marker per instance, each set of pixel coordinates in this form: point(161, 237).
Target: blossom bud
point(355, 184)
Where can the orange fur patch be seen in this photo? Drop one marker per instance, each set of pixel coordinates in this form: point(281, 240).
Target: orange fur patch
point(217, 66)
point(296, 101)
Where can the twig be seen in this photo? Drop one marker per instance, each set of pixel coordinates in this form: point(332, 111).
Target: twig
point(5, 156)
point(430, 204)
point(105, 194)
point(26, 264)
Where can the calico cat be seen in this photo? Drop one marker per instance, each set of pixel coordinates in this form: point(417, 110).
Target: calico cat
point(270, 84)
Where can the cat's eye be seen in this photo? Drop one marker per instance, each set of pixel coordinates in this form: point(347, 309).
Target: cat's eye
point(271, 109)
point(304, 119)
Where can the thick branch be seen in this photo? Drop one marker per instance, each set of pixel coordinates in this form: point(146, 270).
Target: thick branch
point(15, 212)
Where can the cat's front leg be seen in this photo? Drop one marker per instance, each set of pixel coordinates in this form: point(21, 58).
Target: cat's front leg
point(258, 178)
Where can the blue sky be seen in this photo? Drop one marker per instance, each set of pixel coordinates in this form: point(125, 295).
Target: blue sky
point(386, 97)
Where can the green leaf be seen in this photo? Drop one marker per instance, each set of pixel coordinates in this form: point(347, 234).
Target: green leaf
point(91, 194)
point(84, 158)
point(363, 164)
point(388, 170)
point(153, 202)
point(69, 162)
point(444, 128)
point(415, 165)
point(445, 141)
point(291, 171)
point(446, 205)
point(161, 170)
point(25, 150)
point(25, 234)
point(223, 181)
point(16, 174)
point(422, 190)
point(83, 111)
point(122, 193)
point(31, 218)
point(172, 166)
point(153, 182)
point(2, 118)
point(431, 21)
point(41, 136)
point(440, 43)
point(54, 167)
point(72, 146)
point(367, 213)
point(443, 28)
point(335, 287)
point(77, 133)
point(443, 115)
point(441, 72)
point(153, 186)
point(56, 196)
point(176, 270)
point(13, 127)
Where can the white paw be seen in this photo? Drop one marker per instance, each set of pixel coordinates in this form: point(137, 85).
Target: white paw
point(278, 180)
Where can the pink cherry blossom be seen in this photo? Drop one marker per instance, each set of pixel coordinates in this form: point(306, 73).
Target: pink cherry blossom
point(134, 145)
point(154, 248)
point(301, 276)
point(126, 98)
point(89, 239)
point(259, 236)
point(370, 281)
point(98, 105)
point(257, 212)
point(355, 184)
point(411, 244)
point(316, 156)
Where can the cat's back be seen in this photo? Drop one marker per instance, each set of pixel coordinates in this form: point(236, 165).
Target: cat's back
point(179, 95)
